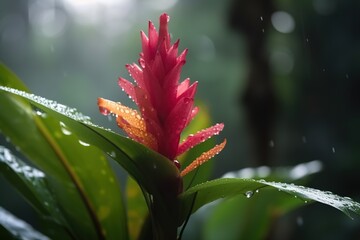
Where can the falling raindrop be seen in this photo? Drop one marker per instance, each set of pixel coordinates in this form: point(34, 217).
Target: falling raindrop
point(299, 221)
point(249, 194)
point(303, 139)
point(333, 149)
point(261, 18)
point(272, 143)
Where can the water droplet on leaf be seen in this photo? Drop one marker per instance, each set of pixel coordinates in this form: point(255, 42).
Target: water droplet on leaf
point(85, 144)
point(64, 129)
point(249, 194)
point(177, 164)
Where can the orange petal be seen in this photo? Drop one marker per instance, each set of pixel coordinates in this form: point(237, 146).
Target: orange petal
point(204, 157)
point(137, 134)
point(127, 114)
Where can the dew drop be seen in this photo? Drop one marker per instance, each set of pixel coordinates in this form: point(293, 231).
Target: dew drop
point(85, 144)
point(249, 194)
point(257, 191)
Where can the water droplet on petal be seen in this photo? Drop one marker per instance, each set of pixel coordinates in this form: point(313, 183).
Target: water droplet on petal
point(249, 194)
point(142, 62)
point(104, 111)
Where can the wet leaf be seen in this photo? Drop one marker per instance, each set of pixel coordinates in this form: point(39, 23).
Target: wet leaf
point(137, 209)
point(253, 216)
point(207, 192)
point(31, 183)
point(78, 174)
point(14, 228)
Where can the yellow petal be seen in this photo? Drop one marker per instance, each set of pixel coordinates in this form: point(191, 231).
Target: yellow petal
point(204, 157)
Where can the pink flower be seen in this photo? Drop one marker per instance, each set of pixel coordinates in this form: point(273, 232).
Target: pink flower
point(166, 106)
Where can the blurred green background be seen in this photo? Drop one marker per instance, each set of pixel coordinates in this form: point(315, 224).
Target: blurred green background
point(283, 76)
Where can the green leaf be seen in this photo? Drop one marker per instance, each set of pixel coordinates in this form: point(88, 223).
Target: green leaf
point(137, 209)
point(243, 218)
point(207, 192)
point(31, 183)
point(253, 218)
point(79, 175)
point(14, 228)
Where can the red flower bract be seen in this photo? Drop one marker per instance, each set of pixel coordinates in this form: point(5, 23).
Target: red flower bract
point(166, 106)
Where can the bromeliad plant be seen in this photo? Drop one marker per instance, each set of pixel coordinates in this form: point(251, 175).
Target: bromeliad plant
point(70, 182)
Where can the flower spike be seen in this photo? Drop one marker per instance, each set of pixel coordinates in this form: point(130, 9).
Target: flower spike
point(166, 105)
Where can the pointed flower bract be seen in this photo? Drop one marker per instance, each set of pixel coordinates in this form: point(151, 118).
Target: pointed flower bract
point(166, 106)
